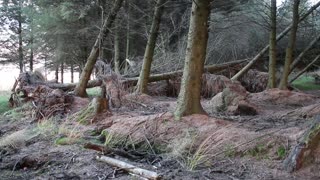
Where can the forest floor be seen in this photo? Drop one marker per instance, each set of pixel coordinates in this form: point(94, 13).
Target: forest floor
point(217, 146)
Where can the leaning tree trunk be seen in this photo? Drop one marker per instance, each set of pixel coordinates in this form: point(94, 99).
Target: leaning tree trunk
point(298, 59)
point(291, 46)
point(189, 96)
point(80, 89)
point(148, 55)
point(265, 49)
point(273, 46)
point(305, 69)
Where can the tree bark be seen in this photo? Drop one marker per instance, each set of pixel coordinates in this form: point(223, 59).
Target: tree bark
point(128, 39)
point(189, 96)
point(72, 72)
point(291, 46)
point(117, 50)
point(298, 59)
point(273, 45)
point(80, 89)
point(305, 69)
point(62, 71)
point(149, 52)
point(20, 50)
point(31, 38)
point(305, 151)
point(57, 74)
point(265, 49)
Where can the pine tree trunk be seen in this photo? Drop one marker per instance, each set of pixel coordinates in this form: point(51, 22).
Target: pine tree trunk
point(149, 52)
point(273, 44)
point(117, 50)
point(265, 49)
point(31, 38)
point(80, 89)
point(20, 50)
point(57, 74)
point(291, 46)
point(189, 96)
point(72, 72)
point(128, 39)
point(62, 69)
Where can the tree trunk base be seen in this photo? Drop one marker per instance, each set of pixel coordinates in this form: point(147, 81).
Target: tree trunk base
point(304, 152)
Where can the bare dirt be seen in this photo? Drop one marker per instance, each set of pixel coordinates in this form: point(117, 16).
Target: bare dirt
point(219, 146)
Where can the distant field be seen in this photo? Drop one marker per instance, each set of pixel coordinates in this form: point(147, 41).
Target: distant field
point(4, 97)
point(306, 83)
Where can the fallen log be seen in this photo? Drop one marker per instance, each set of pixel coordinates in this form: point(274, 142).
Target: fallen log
point(306, 149)
point(153, 78)
point(129, 168)
point(71, 86)
point(166, 76)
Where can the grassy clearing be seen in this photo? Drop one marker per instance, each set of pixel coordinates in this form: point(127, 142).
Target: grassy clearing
point(4, 97)
point(306, 83)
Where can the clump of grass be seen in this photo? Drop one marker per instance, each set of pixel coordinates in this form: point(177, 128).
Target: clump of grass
point(84, 115)
point(47, 127)
point(259, 151)
point(230, 151)
point(18, 139)
point(281, 152)
point(190, 154)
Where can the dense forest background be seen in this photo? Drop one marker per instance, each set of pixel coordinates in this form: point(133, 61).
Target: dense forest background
point(60, 34)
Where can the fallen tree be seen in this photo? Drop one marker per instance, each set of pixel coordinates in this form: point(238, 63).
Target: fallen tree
point(265, 49)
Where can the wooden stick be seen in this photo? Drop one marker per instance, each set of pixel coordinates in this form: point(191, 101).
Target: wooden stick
point(129, 168)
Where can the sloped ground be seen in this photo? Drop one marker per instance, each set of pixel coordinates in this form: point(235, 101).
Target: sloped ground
point(221, 146)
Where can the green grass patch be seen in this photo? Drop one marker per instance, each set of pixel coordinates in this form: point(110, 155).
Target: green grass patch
point(4, 97)
point(306, 83)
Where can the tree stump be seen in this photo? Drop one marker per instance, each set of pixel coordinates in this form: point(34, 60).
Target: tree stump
point(305, 152)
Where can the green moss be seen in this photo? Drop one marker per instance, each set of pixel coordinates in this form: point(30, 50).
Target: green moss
point(281, 152)
point(306, 83)
point(92, 92)
point(67, 141)
point(230, 151)
point(4, 98)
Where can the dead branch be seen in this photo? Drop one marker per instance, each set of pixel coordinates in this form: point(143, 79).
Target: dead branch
point(109, 150)
point(129, 168)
